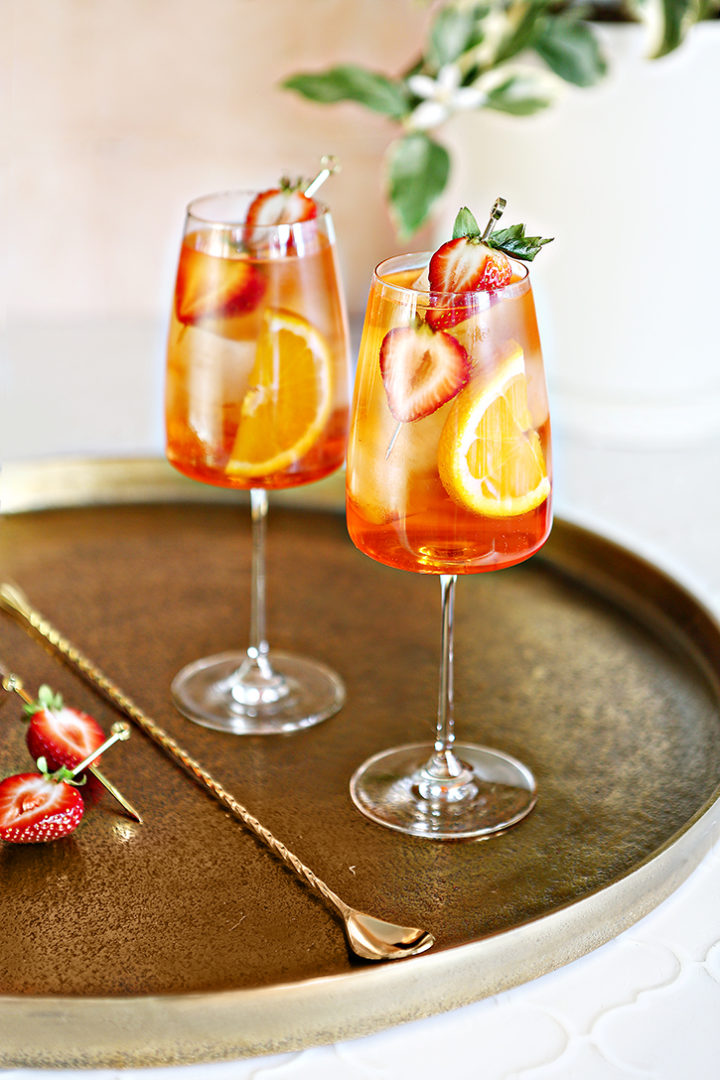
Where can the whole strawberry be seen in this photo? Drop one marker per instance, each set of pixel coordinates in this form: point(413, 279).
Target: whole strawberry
point(38, 807)
point(61, 735)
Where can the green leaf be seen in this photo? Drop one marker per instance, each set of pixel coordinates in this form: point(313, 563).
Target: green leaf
point(465, 224)
point(521, 29)
point(519, 95)
point(348, 82)
point(418, 169)
point(514, 242)
point(675, 16)
point(452, 32)
point(571, 49)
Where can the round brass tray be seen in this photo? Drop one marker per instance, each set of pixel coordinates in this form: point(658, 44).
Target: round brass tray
point(183, 939)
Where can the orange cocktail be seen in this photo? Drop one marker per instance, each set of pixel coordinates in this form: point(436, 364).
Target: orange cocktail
point(257, 398)
point(449, 473)
point(257, 384)
point(466, 487)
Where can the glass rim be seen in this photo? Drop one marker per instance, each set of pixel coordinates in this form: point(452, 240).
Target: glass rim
point(232, 221)
point(420, 259)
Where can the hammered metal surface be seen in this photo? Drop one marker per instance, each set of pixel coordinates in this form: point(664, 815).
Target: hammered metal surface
point(609, 705)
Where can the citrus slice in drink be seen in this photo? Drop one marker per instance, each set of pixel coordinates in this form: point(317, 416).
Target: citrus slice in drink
point(490, 458)
point(288, 399)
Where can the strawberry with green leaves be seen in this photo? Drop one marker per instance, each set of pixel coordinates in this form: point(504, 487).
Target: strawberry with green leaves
point(474, 261)
point(36, 807)
point(422, 365)
point(61, 735)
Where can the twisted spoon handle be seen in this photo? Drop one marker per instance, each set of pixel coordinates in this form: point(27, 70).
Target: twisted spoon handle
point(14, 601)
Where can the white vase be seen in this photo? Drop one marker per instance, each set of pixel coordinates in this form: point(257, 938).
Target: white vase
point(625, 176)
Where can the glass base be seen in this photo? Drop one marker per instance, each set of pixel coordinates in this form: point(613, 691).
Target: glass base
point(281, 693)
point(397, 788)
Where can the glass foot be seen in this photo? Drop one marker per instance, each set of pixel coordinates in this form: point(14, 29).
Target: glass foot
point(230, 692)
point(396, 788)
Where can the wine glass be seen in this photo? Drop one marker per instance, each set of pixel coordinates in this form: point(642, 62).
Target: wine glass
point(256, 399)
point(448, 473)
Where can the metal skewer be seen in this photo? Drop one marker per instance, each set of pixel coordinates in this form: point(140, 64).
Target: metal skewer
point(495, 214)
point(14, 684)
point(369, 937)
point(329, 165)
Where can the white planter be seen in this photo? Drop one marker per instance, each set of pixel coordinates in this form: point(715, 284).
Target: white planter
point(625, 176)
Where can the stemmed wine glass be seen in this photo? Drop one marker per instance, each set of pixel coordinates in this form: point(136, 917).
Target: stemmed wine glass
point(448, 473)
point(257, 398)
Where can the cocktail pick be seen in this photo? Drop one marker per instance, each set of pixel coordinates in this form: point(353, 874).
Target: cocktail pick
point(368, 937)
point(496, 213)
point(328, 166)
point(12, 683)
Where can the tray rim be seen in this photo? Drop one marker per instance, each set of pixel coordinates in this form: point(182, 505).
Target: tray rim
point(104, 1032)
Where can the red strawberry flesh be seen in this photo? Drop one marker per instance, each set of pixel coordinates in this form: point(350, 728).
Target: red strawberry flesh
point(63, 736)
point(35, 809)
point(421, 370)
point(467, 265)
point(209, 287)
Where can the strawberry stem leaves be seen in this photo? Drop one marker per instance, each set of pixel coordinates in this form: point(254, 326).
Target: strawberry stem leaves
point(511, 240)
point(46, 699)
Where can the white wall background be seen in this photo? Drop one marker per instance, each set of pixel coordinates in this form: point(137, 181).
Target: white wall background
point(114, 114)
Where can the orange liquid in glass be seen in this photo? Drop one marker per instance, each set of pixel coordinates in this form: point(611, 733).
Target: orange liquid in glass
point(398, 509)
point(222, 299)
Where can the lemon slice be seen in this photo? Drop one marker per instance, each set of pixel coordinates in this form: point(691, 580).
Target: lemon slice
point(490, 458)
point(288, 400)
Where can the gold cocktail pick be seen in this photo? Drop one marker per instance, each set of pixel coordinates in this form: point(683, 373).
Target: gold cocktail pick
point(14, 684)
point(328, 166)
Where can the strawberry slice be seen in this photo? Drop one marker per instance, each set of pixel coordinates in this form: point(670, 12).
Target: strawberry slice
point(283, 205)
point(35, 808)
point(463, 265)
point(421, 370)
point(209, 287)
point(63, 736)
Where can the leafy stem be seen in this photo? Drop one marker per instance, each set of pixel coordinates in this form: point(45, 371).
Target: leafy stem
point(508, 55)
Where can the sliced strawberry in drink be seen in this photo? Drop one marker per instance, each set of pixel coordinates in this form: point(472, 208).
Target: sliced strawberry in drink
point(63, 736)
point(35, 808)
point(421, 370)
point(210, 287)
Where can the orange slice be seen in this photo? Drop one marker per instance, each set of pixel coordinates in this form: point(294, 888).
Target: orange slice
point(288, 400)
point(490, 457)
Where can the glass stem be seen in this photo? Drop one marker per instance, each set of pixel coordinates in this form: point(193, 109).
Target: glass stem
point(445, 734)
point(445, 778)
point(258, 648)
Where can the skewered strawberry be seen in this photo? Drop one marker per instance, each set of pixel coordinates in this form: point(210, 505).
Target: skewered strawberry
point(421, 370)
point(37, 807)
point(61, 735)
point(283, 205)
point(476, 262)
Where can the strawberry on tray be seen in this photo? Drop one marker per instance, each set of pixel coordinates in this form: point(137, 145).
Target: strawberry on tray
point(36, 807)
point(61, 735)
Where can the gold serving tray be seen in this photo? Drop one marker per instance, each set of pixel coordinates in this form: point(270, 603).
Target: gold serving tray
point(183, 939)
